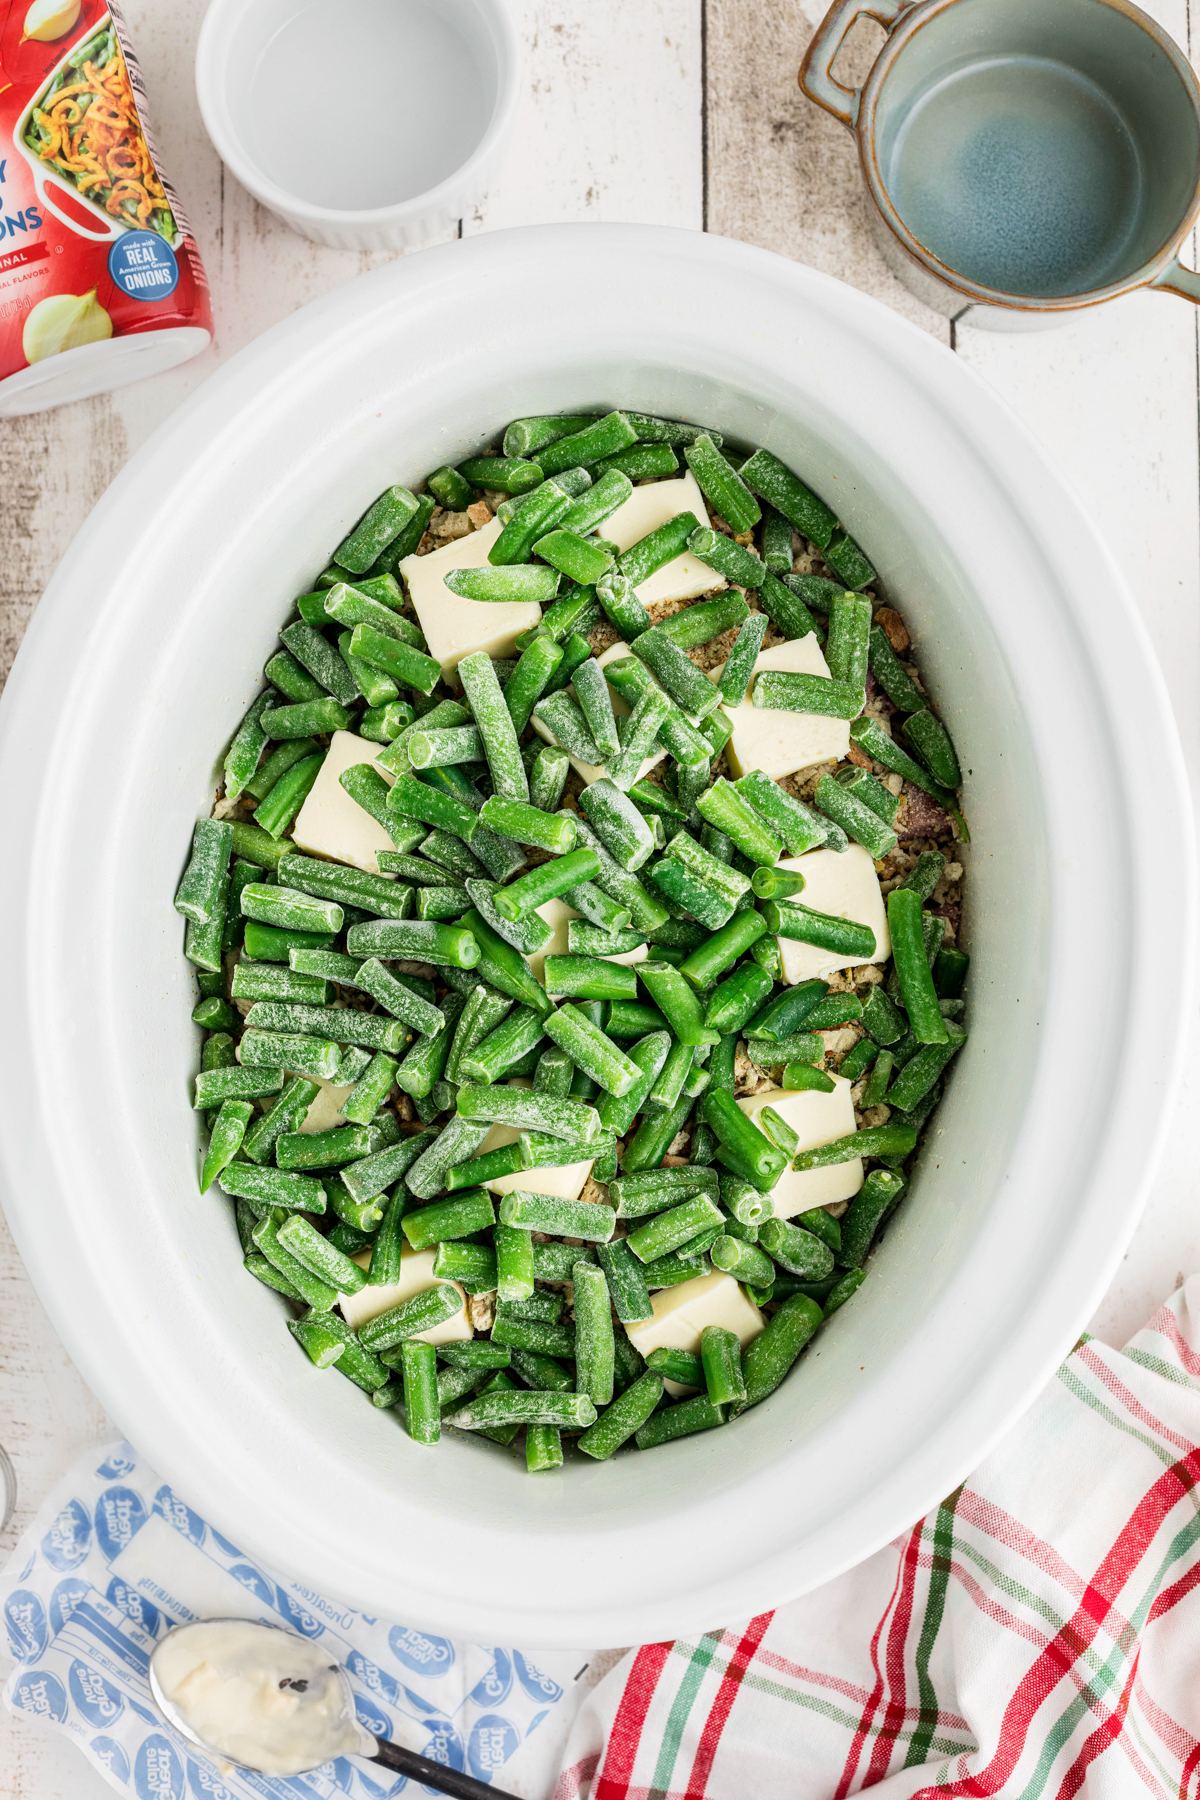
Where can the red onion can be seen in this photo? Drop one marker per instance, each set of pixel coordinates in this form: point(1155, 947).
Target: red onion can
point(101, 282)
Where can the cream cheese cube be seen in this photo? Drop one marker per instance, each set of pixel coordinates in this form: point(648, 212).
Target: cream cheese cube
point(325, 1113)
point(645, 510)
point(816, 1119)
point(416, 1274)
point(843, 883)
point(681, 1313)
point(330, 823)
point(589, 772)
point(558, 915)
point(778, 742)
point(455, 627)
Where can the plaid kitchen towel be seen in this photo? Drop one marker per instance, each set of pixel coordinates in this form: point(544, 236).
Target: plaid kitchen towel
point(1036, 1635)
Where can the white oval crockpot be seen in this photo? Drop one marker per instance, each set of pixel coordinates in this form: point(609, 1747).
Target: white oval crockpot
point(138, 665)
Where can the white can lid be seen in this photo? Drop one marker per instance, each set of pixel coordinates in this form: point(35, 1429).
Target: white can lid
point(99, 368)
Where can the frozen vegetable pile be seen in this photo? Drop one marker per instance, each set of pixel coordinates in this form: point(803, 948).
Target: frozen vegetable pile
point(576, 936)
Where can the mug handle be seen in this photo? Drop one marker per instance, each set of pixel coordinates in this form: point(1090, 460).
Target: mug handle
point(816, 76)
point(1175, 279)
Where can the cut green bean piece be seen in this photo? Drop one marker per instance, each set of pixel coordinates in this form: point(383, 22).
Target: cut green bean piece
point(591, 690)
point(383, 724)
point(849, 561)
point(877, 1082)
point(214, 1086)
point(491, 1058)
point(201, 890)
point(273, 1188)
point(617, 1112)
point(776, 541)
point(767, 1360)
point(773, 482)
point(241, 759)
point(667, 1231)
point(382, 522)
point(620, 1421)
point(515, 583)
point(293, 682)
point(344, 885)
point(683, 681)
point(626, 1282)
point(541, 1337)
point(370, 1090)
point(317, 1339)
point(950, 973)
point(410, 668)
point(309, 718)
point(321, 1149)
point(858, 1059)
point(558, 1218)
point(655, 1189)
point(882, 1019)
point(561, 714)
point(529, 933)
point(933, 744)
point(546, 882)
point(680, 1366)
point(584, 939)
point(225, 1139)
point(433, 748)
point(319, 1256)
point(504, 968)
point(738, 1133)
point(670, 990)
point(682, 1420)
point(591, 1050)
point(724, 490)
point(612, 488)
point(568, 1412)
point(494, 722)
point(525, 437)
point(866, 1212)
point(524, 1111)
point(543, 1448)
point(892, 675)
point(925, 875)
point(515, 1268)
point(849, 632)
point(548, 777)
point(920, 1074)
point(278, 763)
point(580, 449)
point(912, 967)
point(686, 890)
point(739, 666)
point(728, 558)
point(593, 1334)
point(858, 820)
point(580, 559)
point(422, 1312)
point(845, 937)
point(744, 1261)
point(459, 1217)
point(618, 824)
point(873, 1140)
point(721, 1356)
point(705, 620)
point(526, 823)
point(311, 1289)
point(510, 474)
point(808, 694)
point(425, 1063)
point(802, 1076)
point(642, 462)
point(657, 548)
point(665, 1093)
point(450, 489)
point(322, 661)
point(422, 1408)
point(798, 825)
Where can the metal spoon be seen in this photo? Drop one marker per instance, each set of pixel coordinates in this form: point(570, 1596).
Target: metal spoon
point(315, 1679)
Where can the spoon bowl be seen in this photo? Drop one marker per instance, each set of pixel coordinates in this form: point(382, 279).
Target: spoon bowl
point(265, 1698)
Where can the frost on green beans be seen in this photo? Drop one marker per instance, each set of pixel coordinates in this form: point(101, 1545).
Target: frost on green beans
point(578, 929)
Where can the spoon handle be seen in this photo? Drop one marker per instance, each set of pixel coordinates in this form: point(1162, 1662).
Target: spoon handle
point(435, 1774)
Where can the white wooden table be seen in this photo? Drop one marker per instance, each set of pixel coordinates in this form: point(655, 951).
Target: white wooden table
point(679, 112)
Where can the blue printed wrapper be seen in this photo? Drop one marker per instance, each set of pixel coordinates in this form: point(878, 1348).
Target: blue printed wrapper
point(116, 1559)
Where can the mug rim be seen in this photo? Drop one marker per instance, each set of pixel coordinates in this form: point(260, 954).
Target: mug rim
point(900, 36)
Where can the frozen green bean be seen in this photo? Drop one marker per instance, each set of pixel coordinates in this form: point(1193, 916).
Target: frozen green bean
point(768, 1358)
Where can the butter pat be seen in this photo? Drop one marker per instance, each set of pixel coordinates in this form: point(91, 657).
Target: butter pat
point(844, 884)
point(777, 742)
point(681, 1313)
point(455, 627)
point(416, 1274)
point(325, 1113)
point(816, 1119)
point(645, 510)
point(330, 823)
point(558, 915)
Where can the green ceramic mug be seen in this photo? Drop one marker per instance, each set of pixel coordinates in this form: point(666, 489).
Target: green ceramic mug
point(1025, 159)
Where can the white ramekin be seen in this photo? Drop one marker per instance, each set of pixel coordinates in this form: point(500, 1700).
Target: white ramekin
point(232, 37)
point(139, 663)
